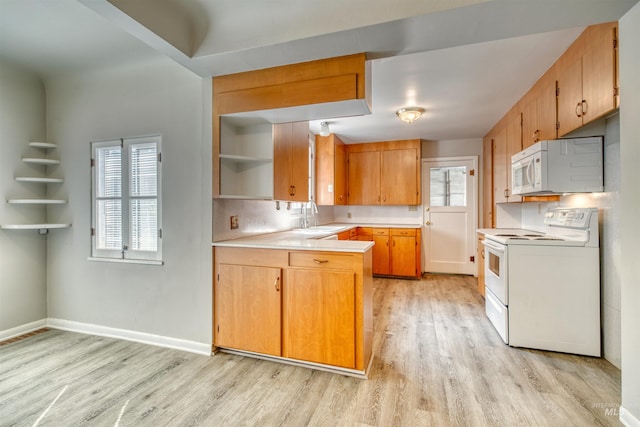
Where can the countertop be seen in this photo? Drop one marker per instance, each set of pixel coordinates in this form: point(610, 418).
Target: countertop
point(310, 239)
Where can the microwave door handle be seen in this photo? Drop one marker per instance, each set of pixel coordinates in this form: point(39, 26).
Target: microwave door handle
point(531, 172)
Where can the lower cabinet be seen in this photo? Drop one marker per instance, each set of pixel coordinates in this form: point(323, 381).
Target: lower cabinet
point(248, 308)
point(303, 305)
point(480, 258)
point(319, 321)
point(396, 252)
point(405, 252)
point(381, 254)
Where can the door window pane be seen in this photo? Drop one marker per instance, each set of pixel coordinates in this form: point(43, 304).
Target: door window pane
point(448, 186)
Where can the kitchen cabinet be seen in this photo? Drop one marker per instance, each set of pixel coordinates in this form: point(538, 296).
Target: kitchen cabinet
point(507, 141)
point(487, 182)
point(539, 111)
point(480, 263)
point(319, 307)
point(288, 93)
point(291, 161)
point(344, 235)
point(331, 171)
point(245, 159)
point(405, 252)
point(364, 178)
point(587, 78)
point(384, 173)
point(381, 252)
point(307, 306)
point(248, 308)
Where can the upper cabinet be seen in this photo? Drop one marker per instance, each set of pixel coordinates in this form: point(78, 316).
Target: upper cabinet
point(291, 161)
point(587, 78)
point(331, 170)
point(333, 87)
point(384, 173)
point(539, 111)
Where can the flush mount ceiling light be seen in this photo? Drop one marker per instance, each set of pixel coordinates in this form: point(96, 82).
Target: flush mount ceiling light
point(409, 114)
point(324, 129)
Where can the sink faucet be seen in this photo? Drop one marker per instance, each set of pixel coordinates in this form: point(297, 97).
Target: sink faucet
point(304, 222)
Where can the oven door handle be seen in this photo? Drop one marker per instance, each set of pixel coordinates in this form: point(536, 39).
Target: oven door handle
point(493, 246)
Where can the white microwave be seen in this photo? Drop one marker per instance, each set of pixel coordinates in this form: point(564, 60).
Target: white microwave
point(559, 166)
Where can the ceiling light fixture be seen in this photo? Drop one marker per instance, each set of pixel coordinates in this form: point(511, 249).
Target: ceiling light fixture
point(324, 129)
point(409, 114)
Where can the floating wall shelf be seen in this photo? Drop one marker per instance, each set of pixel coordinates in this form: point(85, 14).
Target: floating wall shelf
point(38, 179)
point(44, 161)
point(33, 226)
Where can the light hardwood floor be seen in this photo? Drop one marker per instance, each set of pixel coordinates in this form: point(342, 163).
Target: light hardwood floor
point(438, 362)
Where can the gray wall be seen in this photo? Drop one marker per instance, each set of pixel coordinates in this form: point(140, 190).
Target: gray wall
point(158, 97)
point(630, 159)
point(22, 253)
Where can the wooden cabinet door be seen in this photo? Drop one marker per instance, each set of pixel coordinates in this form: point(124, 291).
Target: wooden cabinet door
point(487, 182)
point(403, 256)
point(364, 178)
point(399, 177)
point(546, 109)
point(500, 184)
point(530, 121)
point(599, 72)
point(381, 254)
point(291, 161)
point(247, 308)
point(340, 174)
point(514, 145)
point(569, 96)
point(319, 319)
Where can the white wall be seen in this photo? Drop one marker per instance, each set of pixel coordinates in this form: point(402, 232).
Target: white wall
point(158, 97)
point(22, 253)
point(630, 158)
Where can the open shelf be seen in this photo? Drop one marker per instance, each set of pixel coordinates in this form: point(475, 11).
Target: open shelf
point(33, 226)
point(38, 179)
point(36, 201)
point(37, 144)
point(40, 161)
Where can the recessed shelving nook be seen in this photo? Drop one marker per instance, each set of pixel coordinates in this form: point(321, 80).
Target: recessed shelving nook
point(246, 158)
point(38, 177)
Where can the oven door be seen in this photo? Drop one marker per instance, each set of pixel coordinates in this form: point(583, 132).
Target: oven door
point(495, 267)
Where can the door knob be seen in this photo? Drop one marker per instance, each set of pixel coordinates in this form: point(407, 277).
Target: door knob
point(428, 222)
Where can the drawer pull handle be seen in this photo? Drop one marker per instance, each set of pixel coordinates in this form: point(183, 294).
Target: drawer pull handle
point(277, 284)
point(320, 261)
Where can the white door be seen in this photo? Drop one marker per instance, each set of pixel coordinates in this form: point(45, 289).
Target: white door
point(449, 187)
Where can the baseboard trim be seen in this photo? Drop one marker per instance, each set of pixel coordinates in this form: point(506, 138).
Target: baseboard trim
point(628, 419)
point(124, 334)
point(7, 334)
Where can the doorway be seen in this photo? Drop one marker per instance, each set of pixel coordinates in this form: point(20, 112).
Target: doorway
point(449, 200)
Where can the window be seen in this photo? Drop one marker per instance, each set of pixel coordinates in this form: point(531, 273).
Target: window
point(448, 186)
point(126, 206)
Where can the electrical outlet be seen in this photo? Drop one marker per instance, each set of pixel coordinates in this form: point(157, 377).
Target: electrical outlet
point(348, 214)
point(413, 208)
point(234, 222)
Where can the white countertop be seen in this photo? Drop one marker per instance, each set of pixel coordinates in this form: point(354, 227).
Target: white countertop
point(310, 239)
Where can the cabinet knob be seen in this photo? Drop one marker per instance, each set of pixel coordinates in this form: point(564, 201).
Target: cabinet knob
point(579, 109)
point(277, 284)
point(320, 261)
point(585, 107)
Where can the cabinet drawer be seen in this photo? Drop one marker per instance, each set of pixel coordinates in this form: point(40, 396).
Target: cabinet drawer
point(403, 231)
point(380, 232)
point(321, 260)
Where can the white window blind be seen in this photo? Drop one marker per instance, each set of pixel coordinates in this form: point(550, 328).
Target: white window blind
point(126, 202)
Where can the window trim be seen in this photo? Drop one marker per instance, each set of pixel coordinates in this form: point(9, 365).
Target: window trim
point(126, 254)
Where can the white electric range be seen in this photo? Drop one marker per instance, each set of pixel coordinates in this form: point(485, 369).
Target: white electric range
point(543, 288)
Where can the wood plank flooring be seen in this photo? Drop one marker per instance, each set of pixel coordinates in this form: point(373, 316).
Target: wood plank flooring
point(438, 362)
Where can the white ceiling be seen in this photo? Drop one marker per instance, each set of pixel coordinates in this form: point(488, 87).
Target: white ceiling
point(465, 61)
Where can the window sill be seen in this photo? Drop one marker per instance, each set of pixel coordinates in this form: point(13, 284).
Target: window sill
point(127, 261)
